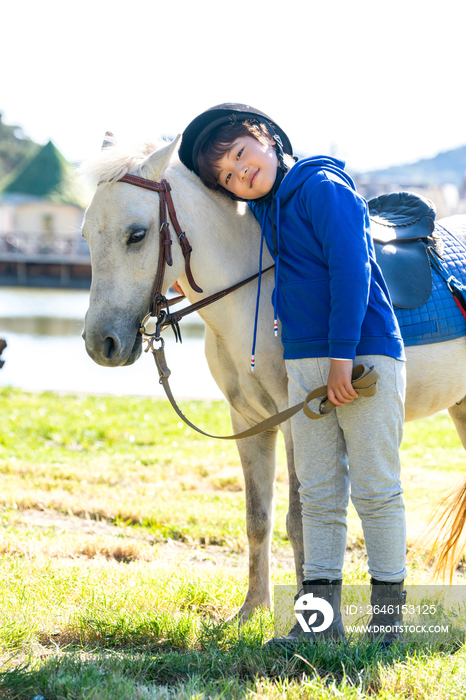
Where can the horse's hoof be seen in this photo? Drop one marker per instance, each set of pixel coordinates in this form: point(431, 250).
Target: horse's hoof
point(245, 612)
point(240, 617)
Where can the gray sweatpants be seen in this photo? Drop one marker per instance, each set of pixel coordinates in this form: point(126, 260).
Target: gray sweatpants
point(354, 446)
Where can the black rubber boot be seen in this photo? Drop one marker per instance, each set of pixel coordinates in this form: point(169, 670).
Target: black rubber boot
point(328, 591)
point(387, 600)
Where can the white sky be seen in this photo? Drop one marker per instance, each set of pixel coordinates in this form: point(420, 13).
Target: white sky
point(375, 82)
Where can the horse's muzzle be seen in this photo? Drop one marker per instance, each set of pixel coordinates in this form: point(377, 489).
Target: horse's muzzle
point(111, 347)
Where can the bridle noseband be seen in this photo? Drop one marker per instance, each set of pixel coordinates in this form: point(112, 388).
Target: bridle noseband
point(165, 254)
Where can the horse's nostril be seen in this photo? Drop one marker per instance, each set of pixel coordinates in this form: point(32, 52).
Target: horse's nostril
point(109, 347)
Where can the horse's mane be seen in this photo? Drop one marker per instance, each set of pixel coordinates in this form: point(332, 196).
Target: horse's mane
point(115, 160)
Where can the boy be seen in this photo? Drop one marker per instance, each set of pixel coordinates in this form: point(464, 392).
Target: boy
point(335, 310)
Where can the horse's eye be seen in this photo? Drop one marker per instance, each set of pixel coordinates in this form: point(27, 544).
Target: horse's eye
point(137, 236)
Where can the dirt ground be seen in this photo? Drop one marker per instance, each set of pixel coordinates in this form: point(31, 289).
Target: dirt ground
point(168, 552)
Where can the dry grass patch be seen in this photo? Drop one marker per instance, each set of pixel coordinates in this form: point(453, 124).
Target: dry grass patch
point(73, 547)
point(228, 479)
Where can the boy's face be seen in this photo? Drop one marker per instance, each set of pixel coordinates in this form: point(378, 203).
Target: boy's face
point(249, 168)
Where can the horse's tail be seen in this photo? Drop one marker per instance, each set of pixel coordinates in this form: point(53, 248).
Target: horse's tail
point(446, 528)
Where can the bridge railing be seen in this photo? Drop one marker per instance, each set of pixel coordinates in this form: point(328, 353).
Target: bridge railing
point(33, 244)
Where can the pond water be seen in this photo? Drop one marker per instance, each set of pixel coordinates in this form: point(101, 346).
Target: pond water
point(46, 352)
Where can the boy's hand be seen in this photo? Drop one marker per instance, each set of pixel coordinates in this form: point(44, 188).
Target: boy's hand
point(339, 387)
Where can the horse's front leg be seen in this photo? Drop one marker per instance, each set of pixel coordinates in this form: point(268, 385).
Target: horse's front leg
point(258, 461)
point(294, 521)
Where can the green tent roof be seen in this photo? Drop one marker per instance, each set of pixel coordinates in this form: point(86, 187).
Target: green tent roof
point(46, 175)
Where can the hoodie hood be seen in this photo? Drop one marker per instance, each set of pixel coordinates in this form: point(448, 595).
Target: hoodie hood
point(307, 167)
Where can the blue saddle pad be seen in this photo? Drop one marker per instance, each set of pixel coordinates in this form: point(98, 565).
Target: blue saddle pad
point(440, 318)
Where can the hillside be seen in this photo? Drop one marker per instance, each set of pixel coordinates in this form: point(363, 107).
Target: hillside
point(446, 167)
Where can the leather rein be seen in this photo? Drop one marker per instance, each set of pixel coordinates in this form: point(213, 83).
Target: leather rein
point(364, 379)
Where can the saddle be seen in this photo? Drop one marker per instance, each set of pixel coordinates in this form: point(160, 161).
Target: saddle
point(402, 227)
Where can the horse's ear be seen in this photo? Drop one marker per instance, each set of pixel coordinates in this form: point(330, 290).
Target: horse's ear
point(109, 140)
point(155, 164)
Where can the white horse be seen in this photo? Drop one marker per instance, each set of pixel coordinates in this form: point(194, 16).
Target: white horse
point(121, 226)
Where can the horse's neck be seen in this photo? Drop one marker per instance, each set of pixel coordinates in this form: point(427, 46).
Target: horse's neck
point(225, 241)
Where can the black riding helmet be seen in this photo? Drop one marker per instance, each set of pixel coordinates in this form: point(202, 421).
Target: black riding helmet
point(202, 125)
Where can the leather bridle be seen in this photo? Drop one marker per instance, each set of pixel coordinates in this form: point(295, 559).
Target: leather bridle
point(165, 253)
point(158, 300)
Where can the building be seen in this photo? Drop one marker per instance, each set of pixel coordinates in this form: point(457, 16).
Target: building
point(41, 210)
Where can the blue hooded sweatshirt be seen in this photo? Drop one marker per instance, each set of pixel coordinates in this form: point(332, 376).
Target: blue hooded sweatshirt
point(329, 294)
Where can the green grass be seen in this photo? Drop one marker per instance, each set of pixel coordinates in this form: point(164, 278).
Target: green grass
point(123, 551)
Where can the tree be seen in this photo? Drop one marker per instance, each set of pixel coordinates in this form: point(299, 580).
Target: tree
point(14, 147)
